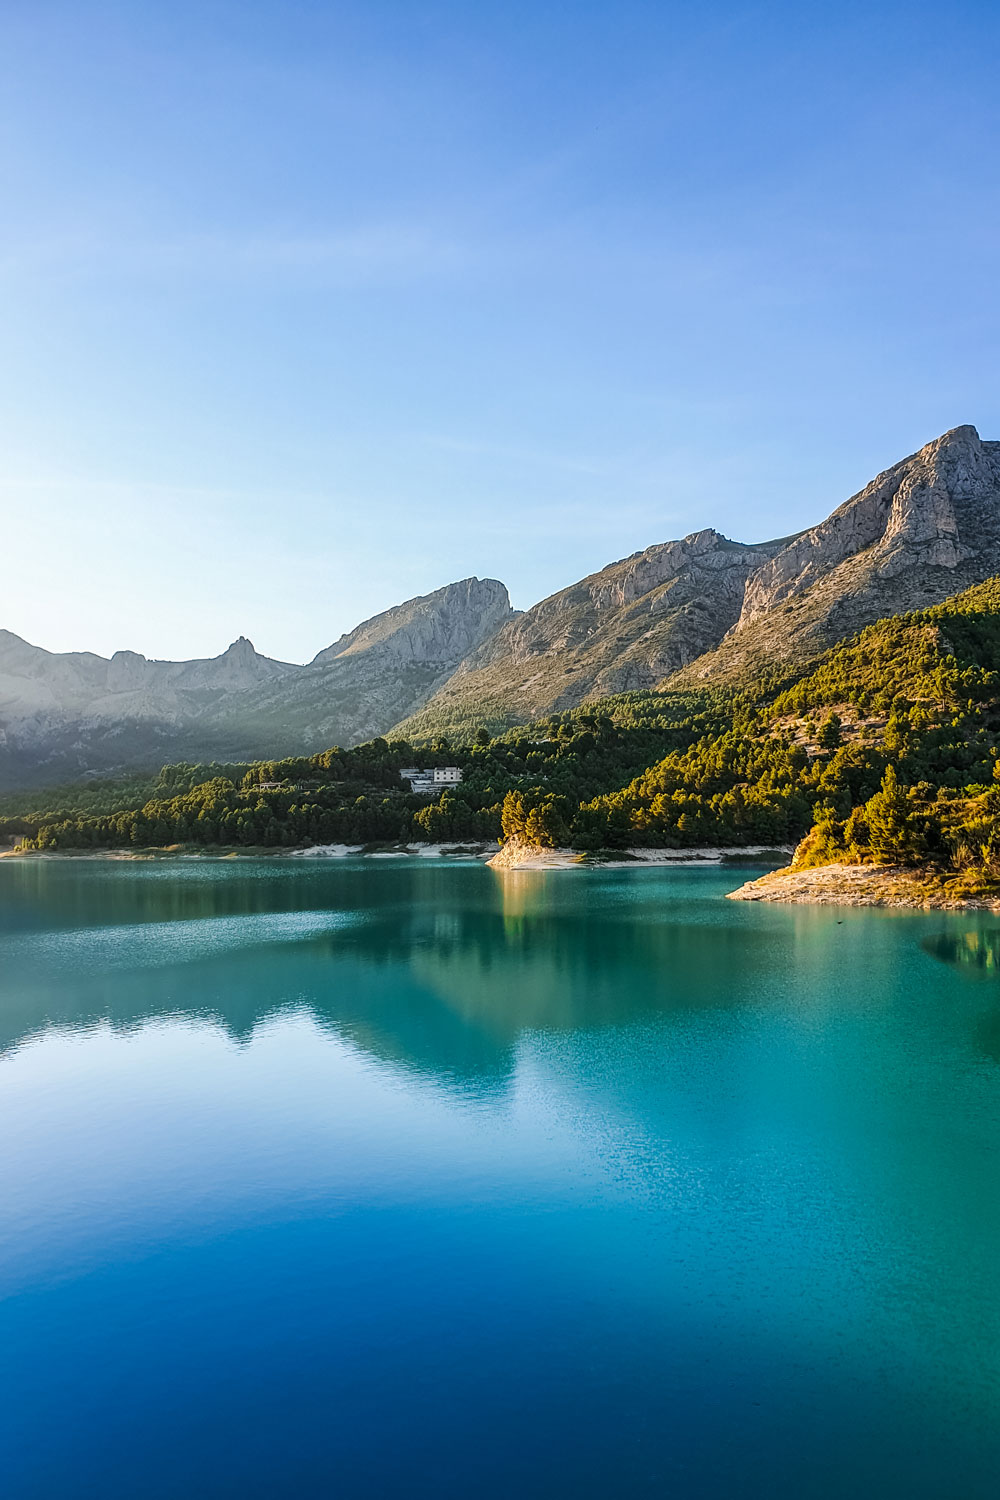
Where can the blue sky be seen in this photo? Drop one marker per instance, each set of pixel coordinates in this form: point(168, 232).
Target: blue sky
point(311, 307)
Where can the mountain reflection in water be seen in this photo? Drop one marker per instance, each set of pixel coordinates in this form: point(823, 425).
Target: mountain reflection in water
point(424, 974)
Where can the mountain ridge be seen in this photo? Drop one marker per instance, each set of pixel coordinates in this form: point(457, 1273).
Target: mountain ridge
point(622, 628)
point(693, 612)
point(709, 610)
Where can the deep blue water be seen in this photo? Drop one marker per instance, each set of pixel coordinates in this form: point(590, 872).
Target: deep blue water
point(404, 1179)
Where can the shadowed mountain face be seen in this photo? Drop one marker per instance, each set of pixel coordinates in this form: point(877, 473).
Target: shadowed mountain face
point(362, 684)
point(62, 714)
point(707, 610)
point(45, 684)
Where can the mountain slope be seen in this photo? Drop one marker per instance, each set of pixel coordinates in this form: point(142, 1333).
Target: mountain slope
point(621, 629)
point(701, 611)
point(381, 671)
point(707, 610)
point(65, 713)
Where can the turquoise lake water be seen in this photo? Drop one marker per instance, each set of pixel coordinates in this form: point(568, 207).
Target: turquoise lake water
point(401, 1178)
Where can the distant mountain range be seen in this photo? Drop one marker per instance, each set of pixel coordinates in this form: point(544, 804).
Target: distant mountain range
point(64, 714)
point(680, 614)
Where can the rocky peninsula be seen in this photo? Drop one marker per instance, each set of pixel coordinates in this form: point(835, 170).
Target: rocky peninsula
point(920, 889)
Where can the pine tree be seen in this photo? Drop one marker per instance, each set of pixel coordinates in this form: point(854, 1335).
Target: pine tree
point(830, 737)
point(894, 834)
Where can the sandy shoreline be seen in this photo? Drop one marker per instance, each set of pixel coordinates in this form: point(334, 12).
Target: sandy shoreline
point(403, 851)
point(826, 885)
point(519, 856)
point(314, 851)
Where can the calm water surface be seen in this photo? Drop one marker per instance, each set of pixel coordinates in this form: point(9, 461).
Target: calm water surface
point(403, 1179)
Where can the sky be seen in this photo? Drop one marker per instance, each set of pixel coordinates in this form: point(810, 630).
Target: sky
point(307, 308)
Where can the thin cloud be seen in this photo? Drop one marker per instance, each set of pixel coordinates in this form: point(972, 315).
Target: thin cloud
point(363, 254)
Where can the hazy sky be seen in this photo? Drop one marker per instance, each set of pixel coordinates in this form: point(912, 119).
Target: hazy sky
point(311, 307)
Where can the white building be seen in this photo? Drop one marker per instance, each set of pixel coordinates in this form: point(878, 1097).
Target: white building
point(425, 783)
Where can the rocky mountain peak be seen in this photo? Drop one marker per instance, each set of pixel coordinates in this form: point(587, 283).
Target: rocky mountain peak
point(240, 658)
point(947, 500)
point(706, 607)
point(938, 508)
point(622, 628)
point(127, 670)
point(439, 627)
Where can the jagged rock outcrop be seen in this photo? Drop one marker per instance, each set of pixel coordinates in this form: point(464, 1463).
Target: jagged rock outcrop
point(39, 683)
point(64, 713)
point(926, 528)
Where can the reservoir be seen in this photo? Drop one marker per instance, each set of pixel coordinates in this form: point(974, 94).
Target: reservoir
point(399, 1177)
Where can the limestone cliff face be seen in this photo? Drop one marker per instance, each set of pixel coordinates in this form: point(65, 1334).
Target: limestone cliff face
point(621, 629)
point(633, 596)
point(937, 509)
point(924, 529)
point(376, 675)
point(440, 627)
